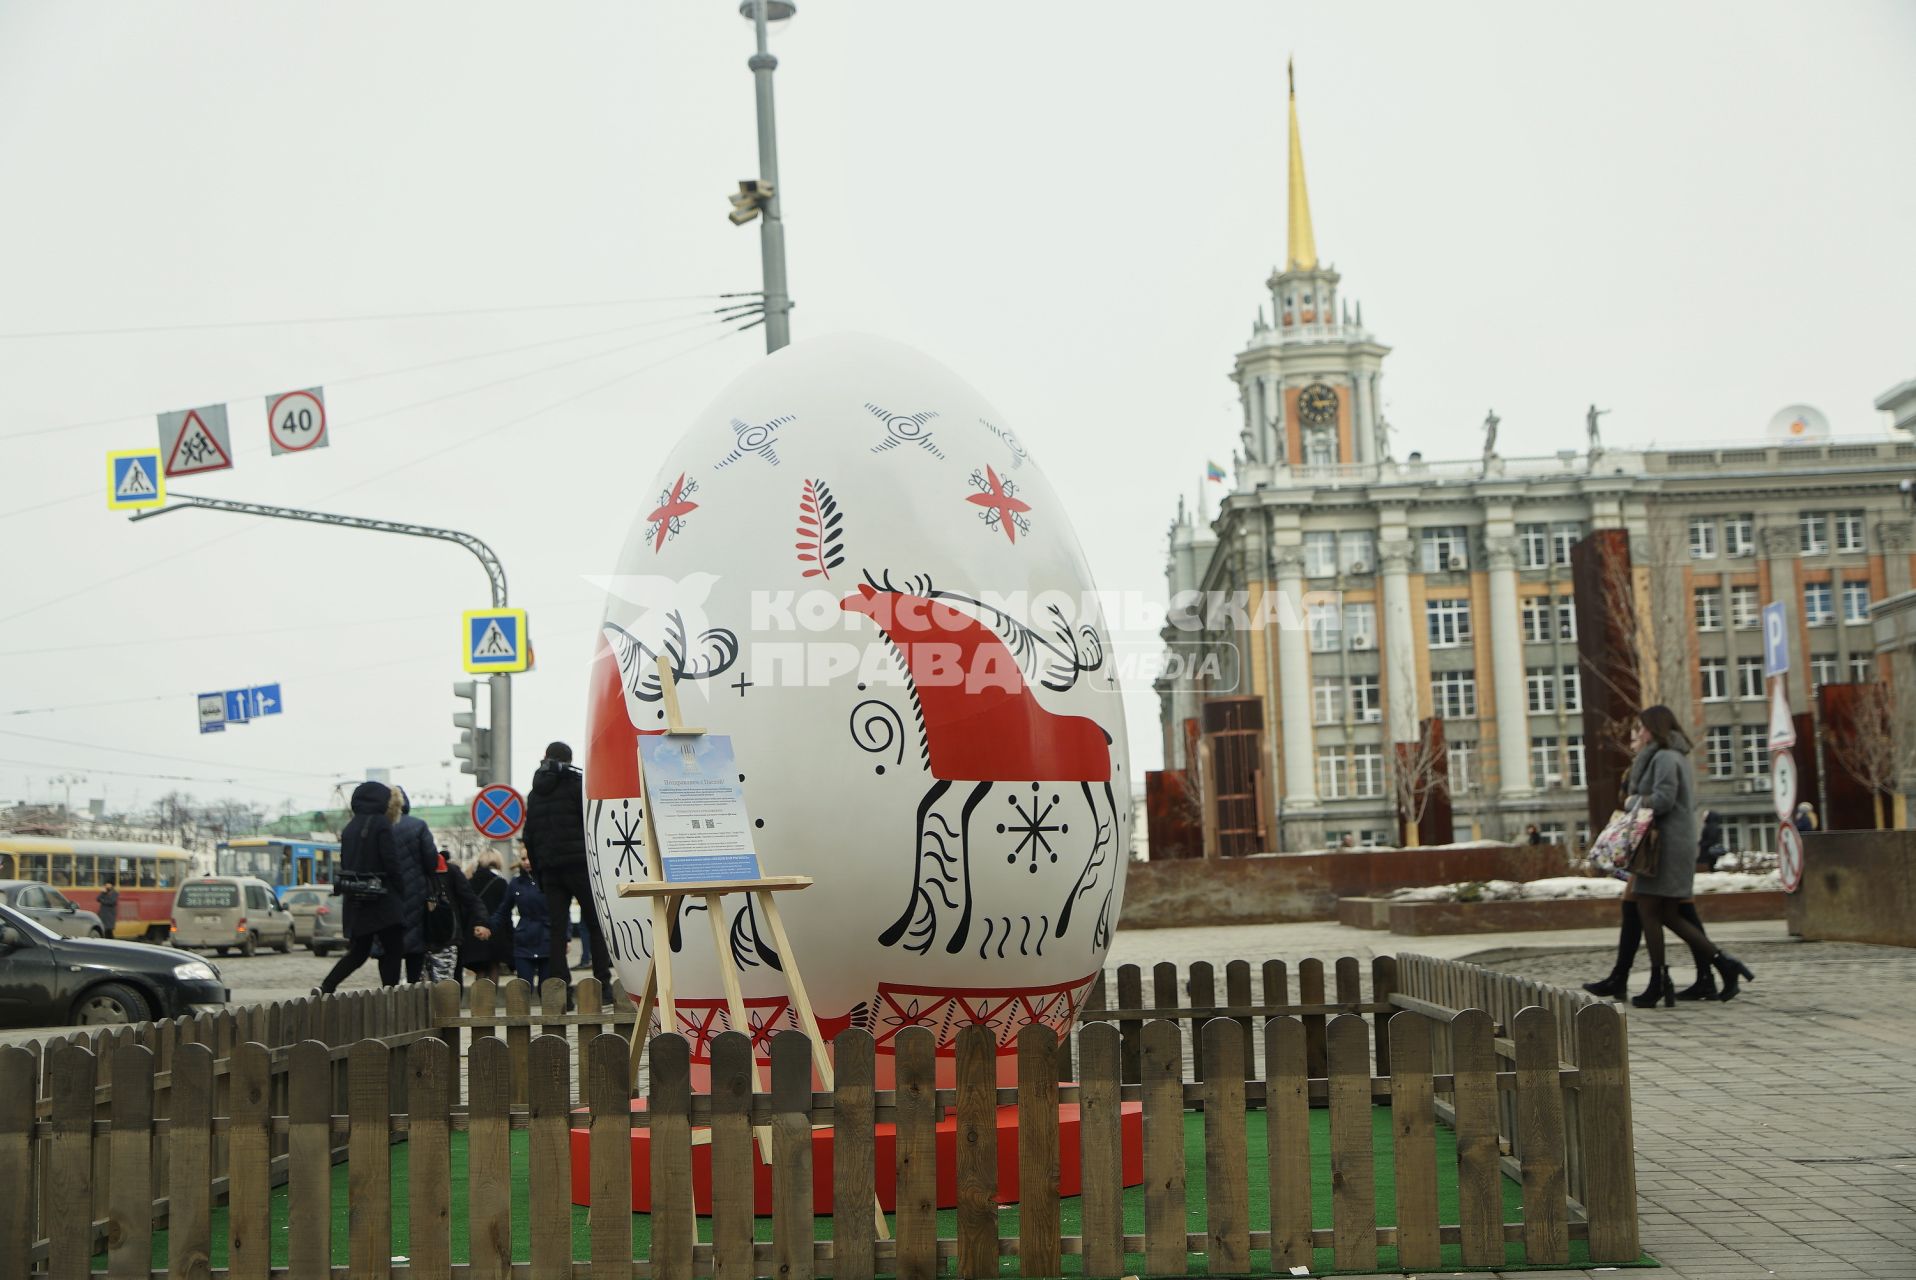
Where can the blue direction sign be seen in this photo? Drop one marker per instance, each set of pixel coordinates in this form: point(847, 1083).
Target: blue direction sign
point(212, 713)
point(1776, 640)
point(496, 640)
point(237, 706)
point(498, 812)
point(263, 700)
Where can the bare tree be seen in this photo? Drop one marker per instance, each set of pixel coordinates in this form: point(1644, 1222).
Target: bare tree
point(1878, 745)
point(1418, 776)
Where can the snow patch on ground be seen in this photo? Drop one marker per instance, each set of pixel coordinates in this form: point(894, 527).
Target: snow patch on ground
point(1561, 887)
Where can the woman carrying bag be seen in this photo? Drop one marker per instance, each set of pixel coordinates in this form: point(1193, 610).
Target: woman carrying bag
point(1663, 781)
point(369, 880)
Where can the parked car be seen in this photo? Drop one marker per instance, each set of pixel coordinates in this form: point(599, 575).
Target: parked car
point(315, 913)
point(50, 980)
point(224, 912)
point(51, 908)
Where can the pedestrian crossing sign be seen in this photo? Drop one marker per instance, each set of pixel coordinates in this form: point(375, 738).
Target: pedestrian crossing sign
point(496, 640)
point(134, 479)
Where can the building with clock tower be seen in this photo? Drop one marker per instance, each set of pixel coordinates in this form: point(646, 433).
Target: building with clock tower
point(1379, 597)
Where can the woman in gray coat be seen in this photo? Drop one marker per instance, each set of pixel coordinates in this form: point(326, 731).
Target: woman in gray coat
point(1662, 778)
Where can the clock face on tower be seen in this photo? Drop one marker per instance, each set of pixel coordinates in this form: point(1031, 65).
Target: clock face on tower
point(1317, 405)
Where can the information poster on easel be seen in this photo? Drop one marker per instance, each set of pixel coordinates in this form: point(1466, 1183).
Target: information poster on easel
point(698, 808)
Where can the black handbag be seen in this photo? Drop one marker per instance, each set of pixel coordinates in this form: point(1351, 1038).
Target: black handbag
point(360, 886)
point(441, 927)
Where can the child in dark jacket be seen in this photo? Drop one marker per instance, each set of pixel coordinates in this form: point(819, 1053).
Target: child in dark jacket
point(532, 935)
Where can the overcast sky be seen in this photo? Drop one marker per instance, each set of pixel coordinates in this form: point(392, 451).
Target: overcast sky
point(1693, 214)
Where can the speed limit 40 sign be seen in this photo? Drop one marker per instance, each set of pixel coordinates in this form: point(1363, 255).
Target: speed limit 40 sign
point(296, 421)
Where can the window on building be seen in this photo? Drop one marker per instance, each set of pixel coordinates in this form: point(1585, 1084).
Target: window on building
point(1754, 742)
point(1463, 767)
point(1357, 551)
point(1566, 618)
point(1562, 538)
point(1320, 555)
point(1813, 532)
point(1445, 548)
point(1856, 602)
point(1709, 609)
point(1360, 626)
point(1320, 447)
point(1572, 689)
point(1535, 542)
point(1365, 704)
point(1545, 767)
point(1327, 700)
point(1453, 695)
point(1716, 679)
point(1743, 609)
point(1573, 758)
point(1536, 620)
point(1822, 669)
point(1367, 770)
point(1749, 678)
point(1848, 527)
point(1541, 684)
point(1322, 618)
point(1719, 755)
point(1448, 623)
point(1739, 535)
point(1552, 832)
point(1333, 780)
point(1817, 608)
point(1702, 537)
point(1862, 668)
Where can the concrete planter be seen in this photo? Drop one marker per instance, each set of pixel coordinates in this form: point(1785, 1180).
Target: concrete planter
point(1422, 919)
point(1858, 886)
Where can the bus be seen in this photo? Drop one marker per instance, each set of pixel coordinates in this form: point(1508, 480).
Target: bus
point(280, 861)
point(146, 875)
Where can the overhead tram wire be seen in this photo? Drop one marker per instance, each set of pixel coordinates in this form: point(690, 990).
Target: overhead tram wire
point(161, 755)
point(40, 766)
point(354, 669)
point(379, 373)
point(191, 326)
point(110, 579)
point(706, 322)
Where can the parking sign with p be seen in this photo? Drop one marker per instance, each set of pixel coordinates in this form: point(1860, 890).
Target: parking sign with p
point(1776, 640)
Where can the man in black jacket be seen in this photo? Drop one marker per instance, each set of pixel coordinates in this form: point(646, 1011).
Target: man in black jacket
point(554, 836)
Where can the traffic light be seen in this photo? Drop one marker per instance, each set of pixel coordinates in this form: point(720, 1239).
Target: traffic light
point(474, 748)
point(752, 196)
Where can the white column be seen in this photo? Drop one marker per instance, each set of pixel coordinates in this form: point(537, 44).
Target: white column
point(1399, 638)
point(1506, 659)
point(1294, 684)
point(1360, 418)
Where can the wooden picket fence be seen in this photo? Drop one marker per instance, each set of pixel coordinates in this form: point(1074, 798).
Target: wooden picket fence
point(149, 1128)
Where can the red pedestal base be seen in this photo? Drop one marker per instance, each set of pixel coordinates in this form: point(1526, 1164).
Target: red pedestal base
point(1131, 1122)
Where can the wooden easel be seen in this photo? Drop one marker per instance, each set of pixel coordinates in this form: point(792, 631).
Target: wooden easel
point(666, 898)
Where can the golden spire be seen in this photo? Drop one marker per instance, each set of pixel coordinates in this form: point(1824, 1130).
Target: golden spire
point(1303, 246)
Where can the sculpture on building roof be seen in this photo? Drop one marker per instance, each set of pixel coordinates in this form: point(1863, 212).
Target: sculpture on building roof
point(1590, 425)
point(1490, 435)
point(1383, 439)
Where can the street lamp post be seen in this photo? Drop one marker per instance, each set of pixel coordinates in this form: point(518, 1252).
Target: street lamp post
point(771, 232)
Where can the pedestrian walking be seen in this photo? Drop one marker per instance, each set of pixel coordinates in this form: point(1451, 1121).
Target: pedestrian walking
point(486, 958)
point(1532, 835)
point(370, 882)
point(418, 859)
point(1662, 777)
point(532, 934)
point(1806, 817)
point(554, 836)
point(454, 918)
point(1709, 845)
point(108, 909)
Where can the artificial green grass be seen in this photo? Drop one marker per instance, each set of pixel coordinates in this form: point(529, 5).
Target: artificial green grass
point(1070, 1209)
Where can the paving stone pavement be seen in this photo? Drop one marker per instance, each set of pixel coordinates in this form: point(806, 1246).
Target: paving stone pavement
point(1775, 1133)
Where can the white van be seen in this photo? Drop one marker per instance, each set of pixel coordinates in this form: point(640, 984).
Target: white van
point(225, 912)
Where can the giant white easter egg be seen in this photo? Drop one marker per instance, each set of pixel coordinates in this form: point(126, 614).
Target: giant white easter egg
point(855, 569)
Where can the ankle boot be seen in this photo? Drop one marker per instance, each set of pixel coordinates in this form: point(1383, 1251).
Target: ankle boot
point(1730, 969)
point(1660, 988)
point(1704, 988)
point(1613, 987)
